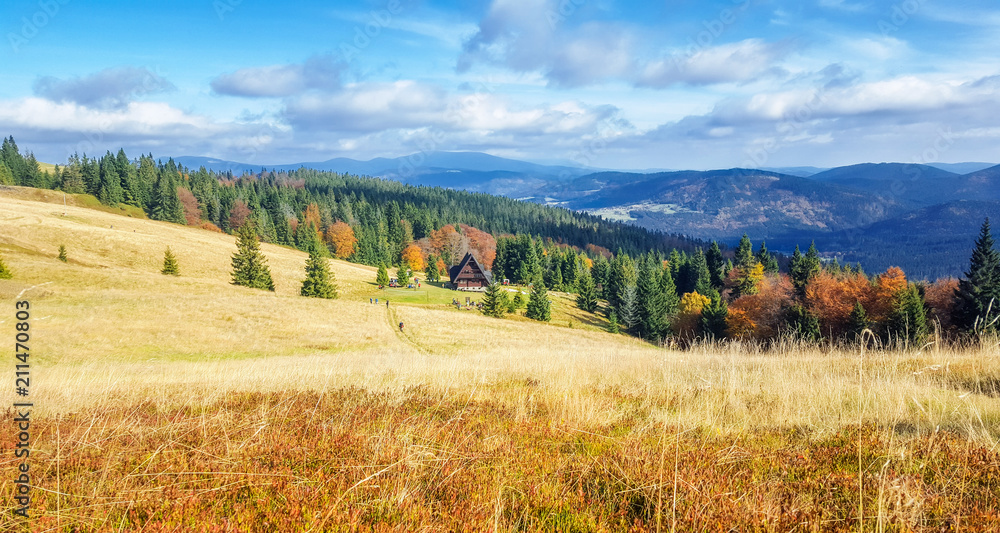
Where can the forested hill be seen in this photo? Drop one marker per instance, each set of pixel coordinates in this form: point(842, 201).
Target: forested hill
point(384, 215)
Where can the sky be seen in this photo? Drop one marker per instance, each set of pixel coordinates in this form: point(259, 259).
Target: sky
point(683, 84)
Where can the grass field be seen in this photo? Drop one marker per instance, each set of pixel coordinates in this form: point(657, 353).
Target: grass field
point(189, 404)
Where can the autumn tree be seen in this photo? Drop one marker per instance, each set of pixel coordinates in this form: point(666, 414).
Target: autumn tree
point(192, 213)
point(340, 237)
point(760, 315)
point(689, 314)
point(238, 215)
point(940, 299)
point(413, 257)
point(830, 298)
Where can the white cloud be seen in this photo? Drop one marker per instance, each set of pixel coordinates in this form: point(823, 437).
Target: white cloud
point(735, 62)
point(320, 72)
point(112, 87)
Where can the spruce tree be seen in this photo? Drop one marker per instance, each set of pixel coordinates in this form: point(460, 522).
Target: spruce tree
point(539, 307)
point(62, 253)
point(713, 318)
point(6, 176)
point(909, 318)
point(495, 301)
point(765, 258)
point(249, 264)
point(432, 269)
point(978, 294)
point(803, 324)
point(716, 265)
point(403, 274)
point(744, 253)
point(613, 326)
point(803, 268)
point(170, 267)
point(857, 322)
point(587, 297)
point(518, 301)
point(320, 281)
point(628, 308)
point(651, 300)
point(5, 272)
point(382, 278)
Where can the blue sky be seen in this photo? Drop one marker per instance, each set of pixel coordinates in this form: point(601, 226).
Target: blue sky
point(676, 84)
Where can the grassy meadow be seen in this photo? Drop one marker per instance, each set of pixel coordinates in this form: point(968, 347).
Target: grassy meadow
point(188, 404)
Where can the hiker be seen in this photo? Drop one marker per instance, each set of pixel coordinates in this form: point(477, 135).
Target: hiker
point(387, 304)
point(400, 327)
point(369, 300)
point(376, 301)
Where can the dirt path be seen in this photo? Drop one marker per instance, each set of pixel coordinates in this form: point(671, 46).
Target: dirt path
point(403, 336)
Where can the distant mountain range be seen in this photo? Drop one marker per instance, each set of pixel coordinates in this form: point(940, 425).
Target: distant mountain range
point(923, 218)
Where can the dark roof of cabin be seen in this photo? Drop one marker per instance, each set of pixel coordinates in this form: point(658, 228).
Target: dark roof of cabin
point(454, 271)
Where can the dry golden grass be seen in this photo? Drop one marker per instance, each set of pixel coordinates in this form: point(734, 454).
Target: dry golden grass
point(110, 332)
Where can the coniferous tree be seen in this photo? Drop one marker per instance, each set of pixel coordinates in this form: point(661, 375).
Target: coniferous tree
point(744, 253)
point(804, 267)
point(713, 318)
point(628, 308)
point(651, 300)
point(803, 324)
point(382, 278)
point(62, 253)
point(518, 301)
point(433, 274)
point(909, 318)
point(403, 274)
point(977, 298)
point(320, 282)
point(539, 307)
point(170, 267)
point(5, 272)
point(586, 299)
point(495, 301)
point(249, 264)
point(716, 265)
point(857, 322)
point(767, 259)
point(6, 176)
point(613, 325)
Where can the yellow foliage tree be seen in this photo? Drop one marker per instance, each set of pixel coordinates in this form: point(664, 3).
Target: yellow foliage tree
point(689, 313)
point(414, 257)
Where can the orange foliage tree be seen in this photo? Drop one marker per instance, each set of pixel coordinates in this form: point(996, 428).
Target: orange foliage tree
point(341, 237)
point(940, 297)
point(832, 297)
point(414, 257)
point(483, 245)
point(311, 217)
point(238, 214)
point(192, 214)
point(888, 286)
point(761, 315)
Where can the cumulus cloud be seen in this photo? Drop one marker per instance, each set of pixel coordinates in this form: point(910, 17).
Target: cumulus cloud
point(529, 36)
point(320, 72)
point(734, 62)
point(109, 88)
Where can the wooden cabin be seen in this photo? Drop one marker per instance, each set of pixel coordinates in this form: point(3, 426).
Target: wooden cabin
point(469, 275)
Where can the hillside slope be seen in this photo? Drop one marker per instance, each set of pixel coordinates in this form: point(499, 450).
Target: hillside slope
point(109, 313)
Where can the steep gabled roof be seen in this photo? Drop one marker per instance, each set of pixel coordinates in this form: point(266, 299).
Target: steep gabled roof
point(454, 271)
